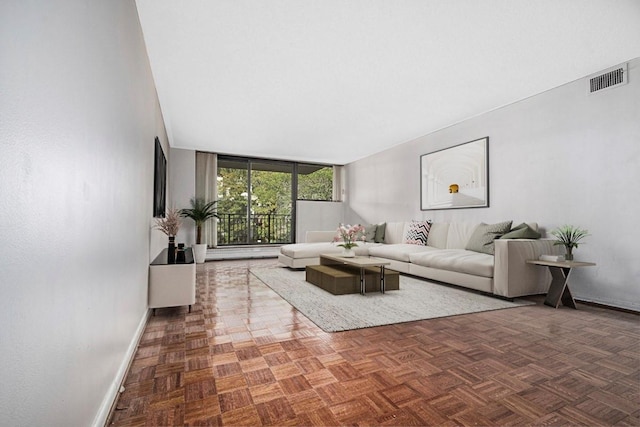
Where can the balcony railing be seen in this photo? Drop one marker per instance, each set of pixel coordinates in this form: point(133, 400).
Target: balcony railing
point(233, 229)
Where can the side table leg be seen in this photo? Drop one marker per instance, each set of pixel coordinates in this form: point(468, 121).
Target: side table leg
point(362, 282)
point(559, 289)
point(567, 298)
point(382, 279)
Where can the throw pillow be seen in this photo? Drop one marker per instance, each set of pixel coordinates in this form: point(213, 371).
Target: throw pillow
point(483, 236)
point(380, 229)
point(370, 232)
point(522, 231)
point(417, 232)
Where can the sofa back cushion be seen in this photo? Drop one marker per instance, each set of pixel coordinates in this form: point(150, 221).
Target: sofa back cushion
point(438, 235)
point(394, 233)
point(319, 236)
point(459, 233)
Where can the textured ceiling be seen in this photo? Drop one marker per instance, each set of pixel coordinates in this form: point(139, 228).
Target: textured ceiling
point(337, 80)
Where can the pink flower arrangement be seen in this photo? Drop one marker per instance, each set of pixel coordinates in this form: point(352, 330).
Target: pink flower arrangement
point(348, 234)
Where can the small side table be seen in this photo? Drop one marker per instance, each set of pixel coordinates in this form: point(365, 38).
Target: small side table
point(172, 285)
point(559, 289)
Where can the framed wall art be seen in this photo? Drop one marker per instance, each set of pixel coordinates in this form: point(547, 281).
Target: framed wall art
point(456, 177)
point(159, 181)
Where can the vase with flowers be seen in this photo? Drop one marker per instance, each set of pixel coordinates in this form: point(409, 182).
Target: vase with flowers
point(569, 236)
point(170, 225)
point(348, 235)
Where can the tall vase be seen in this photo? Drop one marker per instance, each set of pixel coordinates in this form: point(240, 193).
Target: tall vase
point(171, 250)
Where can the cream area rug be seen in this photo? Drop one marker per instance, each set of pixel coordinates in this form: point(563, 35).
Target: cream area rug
point(416, 300)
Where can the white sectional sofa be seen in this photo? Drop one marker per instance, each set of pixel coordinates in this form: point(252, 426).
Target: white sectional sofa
point(444, 257)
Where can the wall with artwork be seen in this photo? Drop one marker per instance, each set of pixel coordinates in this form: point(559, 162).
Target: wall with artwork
point(562, 156)
point(456, 177)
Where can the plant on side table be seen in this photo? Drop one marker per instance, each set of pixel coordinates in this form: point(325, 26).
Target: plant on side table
point(348, 234)
point(200, 212)
point(569, 236)
point(170, 225)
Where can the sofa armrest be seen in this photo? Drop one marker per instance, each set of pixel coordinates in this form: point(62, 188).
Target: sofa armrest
point(319, 236)
point(512, 276)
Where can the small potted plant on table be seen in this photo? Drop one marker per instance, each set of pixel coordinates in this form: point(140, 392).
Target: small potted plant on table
point(200, 212)
point(569, 236)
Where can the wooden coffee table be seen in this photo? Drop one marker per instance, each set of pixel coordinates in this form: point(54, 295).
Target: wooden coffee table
point(359, 262)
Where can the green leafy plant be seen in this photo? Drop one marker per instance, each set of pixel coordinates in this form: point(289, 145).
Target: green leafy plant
point(200, 212)
point(569, 235)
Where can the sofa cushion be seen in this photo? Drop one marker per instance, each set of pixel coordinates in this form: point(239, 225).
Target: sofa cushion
point(309, 250)
point(370, 232)
point(522, 231)
point(458, 260)
point(459, 233)
point(438, 235)
point(482, 238)
point(394, 232)
point(380, 229)
point(312, 250)
point(398, 251)
point(417, 232)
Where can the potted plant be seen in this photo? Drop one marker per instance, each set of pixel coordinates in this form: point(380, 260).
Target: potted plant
point(348, 234)
point(569, 236)
point(200, 212)
point(170, 225)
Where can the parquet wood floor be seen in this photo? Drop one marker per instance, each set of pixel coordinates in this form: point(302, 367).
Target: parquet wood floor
point(244, 356)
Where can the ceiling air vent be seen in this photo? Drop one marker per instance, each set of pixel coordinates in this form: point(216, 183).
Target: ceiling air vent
point(608, 79)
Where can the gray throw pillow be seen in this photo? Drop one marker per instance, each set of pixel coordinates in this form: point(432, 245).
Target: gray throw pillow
point(370, 232)
point(380, 229)
point(522, 231)
point(482, 238)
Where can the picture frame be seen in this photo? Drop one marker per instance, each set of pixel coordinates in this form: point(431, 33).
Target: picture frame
point(159, 181)
point(456, 177)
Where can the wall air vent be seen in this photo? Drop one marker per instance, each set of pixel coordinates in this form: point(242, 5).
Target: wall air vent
point(608, 79)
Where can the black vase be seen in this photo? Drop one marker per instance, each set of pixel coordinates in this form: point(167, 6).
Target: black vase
point(171, 251)
point(180, 255)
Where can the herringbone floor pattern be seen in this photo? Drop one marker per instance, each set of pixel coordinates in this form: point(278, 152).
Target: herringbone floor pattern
point(244, 356)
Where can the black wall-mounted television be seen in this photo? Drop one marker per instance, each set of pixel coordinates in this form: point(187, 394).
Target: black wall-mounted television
point(159, 182)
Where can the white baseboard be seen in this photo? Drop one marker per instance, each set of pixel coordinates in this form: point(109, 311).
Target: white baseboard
point(107, 406)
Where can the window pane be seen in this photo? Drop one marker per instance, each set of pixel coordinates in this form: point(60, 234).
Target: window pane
point(270, 202)
point(233, 185)
point(315, 182)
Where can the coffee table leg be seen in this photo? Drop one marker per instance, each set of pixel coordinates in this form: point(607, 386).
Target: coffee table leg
point(382, 279)
point(362, 283)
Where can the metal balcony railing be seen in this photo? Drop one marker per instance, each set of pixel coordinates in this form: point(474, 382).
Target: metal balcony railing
point(233, 229)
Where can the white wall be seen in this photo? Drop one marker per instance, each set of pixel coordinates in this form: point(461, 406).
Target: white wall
point(314, 215)
point(182, 181)
point(78, 118)
point(559, 157)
